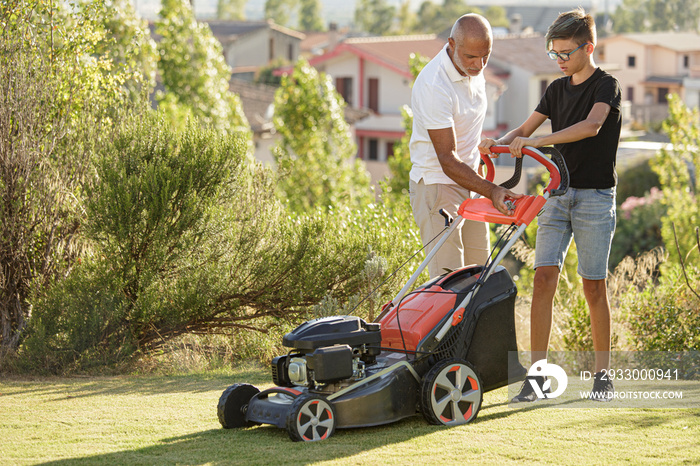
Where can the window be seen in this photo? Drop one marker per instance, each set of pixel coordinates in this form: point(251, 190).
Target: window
point(631, 61)
point(344, 88)
point(390, 149)
point(373, 149)
point(374, 95)
point(661, 95)
point(630, 93)
point(290, 52)
point(543, 86)
point(271, 54)
point(686, 61)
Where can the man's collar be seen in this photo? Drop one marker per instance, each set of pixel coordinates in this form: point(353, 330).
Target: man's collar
point(450, 68)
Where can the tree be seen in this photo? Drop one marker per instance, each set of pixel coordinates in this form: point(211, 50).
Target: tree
point(405, 18)
point(58, 96)
point(128, 43)
point(656, 15)
point(232, 10)
point(195, 74)
point(278, 10)
point(310, 15)
point(316, 154)
point(497, 16)
point(679, 175)
point(374, 16)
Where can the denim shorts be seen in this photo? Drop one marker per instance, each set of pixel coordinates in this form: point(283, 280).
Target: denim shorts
point(587, 215)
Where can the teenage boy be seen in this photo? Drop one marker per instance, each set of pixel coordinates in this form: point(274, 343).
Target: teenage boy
point(584, 109)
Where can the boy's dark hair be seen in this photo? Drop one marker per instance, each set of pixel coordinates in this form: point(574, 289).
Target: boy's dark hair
point(573, 25)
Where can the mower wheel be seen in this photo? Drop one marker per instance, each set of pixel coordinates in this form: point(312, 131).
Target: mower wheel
point(311, 418)
point(451, 393)
point(233, 405)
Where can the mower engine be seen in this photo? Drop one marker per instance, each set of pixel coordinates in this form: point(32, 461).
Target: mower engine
point(327, 354)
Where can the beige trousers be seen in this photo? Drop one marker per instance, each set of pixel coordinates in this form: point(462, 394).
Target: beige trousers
point(467, 246)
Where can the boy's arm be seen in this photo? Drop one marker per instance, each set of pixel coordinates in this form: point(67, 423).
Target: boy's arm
point(523, 131)
point(576, 132)
point(445, 143)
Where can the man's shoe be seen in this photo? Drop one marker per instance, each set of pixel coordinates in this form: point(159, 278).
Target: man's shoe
point(603, 389)
point(527, 393)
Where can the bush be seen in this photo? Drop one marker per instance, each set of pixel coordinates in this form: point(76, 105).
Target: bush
point(664, 316)
point(638, 226)
point(188, 238)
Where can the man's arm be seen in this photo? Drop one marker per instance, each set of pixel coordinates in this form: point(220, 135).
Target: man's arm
point(445, 144)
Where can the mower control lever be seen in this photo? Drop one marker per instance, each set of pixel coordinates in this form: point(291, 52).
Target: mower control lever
point(448, 217)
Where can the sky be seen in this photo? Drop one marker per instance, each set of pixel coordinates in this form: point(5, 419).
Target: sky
point(342, 11)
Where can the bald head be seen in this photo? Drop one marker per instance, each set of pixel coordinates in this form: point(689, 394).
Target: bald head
point(470, 44)
point(471, 27)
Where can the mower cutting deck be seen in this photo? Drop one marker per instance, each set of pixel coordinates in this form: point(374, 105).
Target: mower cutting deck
point(434, 349)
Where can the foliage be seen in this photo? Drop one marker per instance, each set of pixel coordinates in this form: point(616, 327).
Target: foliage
point(188, 237)
point(310, 15)
point(679, 175)
point(128, 43)
point(656, 15)
point(664, 316)
point(266, 74)
point(195, 74)
point(231, 10)
point(400, 162)
point(374, 16)
point(316, 153)
point(278, 10)
point(638, 226)
point(57, 96)
point(435, 18)
point(636, 181)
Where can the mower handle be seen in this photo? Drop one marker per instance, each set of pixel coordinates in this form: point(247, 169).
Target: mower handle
point(559, 174)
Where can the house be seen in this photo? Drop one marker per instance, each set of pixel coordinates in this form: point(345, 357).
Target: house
point(521, 61)
point(373, 73)
point(651, 65)
point(257, 101)
point(250, 45)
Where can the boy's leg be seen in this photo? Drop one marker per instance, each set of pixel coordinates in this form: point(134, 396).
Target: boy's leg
point(593, 222)
point(544, 287)
point(597, 297)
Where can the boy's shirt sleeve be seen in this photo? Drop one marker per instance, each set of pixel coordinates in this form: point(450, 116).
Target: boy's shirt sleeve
point(609, 92)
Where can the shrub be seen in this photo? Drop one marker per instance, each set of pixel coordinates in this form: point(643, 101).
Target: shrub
point(638, 226)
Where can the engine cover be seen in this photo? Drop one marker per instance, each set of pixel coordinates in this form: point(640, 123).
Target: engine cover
point(330, 331)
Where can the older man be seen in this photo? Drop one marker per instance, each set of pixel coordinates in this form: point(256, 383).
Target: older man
point(449, 107)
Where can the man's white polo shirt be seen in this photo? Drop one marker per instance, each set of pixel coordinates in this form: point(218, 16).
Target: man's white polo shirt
point(443, 98)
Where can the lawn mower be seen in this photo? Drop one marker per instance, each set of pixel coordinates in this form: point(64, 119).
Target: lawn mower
point(433, 350)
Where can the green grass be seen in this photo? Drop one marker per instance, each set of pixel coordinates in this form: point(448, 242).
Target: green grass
point(134, 420)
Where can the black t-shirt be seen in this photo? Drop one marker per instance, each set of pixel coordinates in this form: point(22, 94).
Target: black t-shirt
point(591, 161)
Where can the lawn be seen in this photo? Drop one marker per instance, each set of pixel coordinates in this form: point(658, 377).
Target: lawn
point(150, 419)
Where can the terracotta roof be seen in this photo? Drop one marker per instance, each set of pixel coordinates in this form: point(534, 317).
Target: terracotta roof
point(676, 41)
point(524, 51)
point(395, 51)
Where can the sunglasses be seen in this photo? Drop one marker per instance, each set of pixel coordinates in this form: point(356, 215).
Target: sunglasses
point(564, 56)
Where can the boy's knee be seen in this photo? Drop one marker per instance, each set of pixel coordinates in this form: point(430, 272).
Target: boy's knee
point(546, 276)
